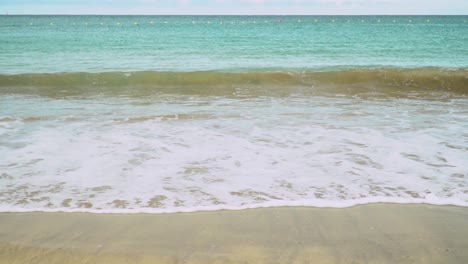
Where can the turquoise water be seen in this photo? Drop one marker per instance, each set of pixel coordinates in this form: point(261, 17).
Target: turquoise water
point(192, 43)
point(184, 113)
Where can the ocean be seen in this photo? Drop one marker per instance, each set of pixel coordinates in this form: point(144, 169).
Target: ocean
point(161, 114)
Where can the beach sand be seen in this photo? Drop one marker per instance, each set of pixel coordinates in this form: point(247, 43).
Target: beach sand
point(377, 233)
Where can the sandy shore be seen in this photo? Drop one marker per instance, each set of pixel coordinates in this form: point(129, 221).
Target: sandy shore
point(379, 233)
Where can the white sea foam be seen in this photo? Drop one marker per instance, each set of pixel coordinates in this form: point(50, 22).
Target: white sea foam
point(178, 154)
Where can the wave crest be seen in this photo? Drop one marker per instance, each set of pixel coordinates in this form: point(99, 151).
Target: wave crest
point(378, 81)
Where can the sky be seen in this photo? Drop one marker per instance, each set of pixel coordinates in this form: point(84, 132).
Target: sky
point(236, 7)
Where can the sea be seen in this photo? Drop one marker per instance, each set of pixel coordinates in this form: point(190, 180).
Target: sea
point(163, 114)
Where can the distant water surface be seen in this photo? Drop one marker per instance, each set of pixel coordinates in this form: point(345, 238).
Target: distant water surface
point(188, 43)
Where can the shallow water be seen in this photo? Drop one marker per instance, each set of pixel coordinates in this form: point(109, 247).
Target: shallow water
point(115, 127)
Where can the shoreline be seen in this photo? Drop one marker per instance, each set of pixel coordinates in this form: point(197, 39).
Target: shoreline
point(373, 233)
point(205, 209)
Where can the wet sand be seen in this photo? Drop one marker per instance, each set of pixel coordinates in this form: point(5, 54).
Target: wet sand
point(378, 233)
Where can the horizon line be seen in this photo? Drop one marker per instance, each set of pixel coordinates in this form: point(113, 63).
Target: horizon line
point(91, 14)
